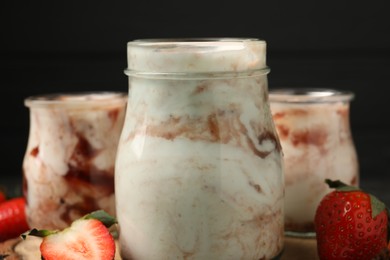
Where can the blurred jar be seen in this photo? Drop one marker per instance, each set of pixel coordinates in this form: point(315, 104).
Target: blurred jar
point(69, 162)
point(199, 167)
point(314, 130)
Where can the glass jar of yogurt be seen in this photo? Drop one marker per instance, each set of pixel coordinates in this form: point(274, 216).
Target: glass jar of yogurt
point(199, 166)
point(70, 157)
point(314, 130)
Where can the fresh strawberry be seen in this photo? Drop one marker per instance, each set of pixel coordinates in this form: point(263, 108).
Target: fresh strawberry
point(12, 218)
point(350, 224)
point(87, 238)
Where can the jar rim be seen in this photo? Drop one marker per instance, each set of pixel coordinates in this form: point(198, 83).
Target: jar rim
point(197, 75)
point(309, 95)
point(195, 55)
point(152, 42)
point(105, 98)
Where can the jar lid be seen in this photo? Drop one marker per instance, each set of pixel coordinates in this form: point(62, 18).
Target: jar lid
point(220, 55)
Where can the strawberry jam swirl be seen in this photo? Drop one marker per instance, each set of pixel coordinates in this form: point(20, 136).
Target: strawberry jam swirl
point(69, 163)
point(313, 127)
point(199, 166)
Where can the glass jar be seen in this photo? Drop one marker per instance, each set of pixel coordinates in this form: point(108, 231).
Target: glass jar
point(199, 166)
point(314, 130)
point(69, 162)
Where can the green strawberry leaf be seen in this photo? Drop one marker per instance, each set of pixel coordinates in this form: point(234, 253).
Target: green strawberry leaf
point(340, 186)
point(103, 217)
point(38, 233)
point(377, 206)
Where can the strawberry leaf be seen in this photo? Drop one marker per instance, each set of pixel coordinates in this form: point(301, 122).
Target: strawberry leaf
point(38, 233)
point(103, 217)
point(377, 206)
point(340, 186)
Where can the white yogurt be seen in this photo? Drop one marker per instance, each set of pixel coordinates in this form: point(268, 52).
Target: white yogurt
point(70, 157)
point(199, 168)
point(313, 126)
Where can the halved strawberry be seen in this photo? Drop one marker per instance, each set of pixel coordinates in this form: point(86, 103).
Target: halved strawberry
point(87, 238)
point(12, 218)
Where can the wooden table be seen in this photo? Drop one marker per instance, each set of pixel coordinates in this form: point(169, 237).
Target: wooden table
point(294, 249)
point(299, 249)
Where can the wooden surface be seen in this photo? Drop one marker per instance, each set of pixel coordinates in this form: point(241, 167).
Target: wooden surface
point(294, 249)
point(7, 249)
point(299, 249)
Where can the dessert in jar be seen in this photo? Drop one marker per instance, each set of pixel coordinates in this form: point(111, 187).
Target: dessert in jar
point(199, 166)
point(70, 157)
point(314, 130)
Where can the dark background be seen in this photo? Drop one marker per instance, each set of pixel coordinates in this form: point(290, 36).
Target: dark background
point(59, 46)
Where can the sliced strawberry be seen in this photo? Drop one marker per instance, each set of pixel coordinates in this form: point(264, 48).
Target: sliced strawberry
point(12, 218)
point(87, 238)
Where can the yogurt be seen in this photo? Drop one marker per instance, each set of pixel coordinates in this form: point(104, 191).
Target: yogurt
point(70, 157)
point(199, 167)
point(313, 126)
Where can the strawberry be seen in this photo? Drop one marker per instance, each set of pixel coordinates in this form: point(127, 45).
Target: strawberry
point(12, 218)
point(350, 224)
point(86, 238)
